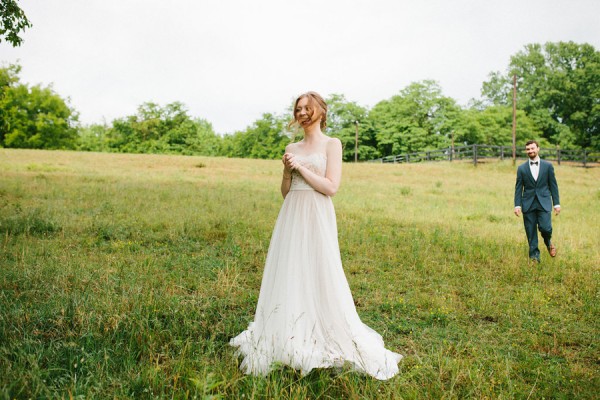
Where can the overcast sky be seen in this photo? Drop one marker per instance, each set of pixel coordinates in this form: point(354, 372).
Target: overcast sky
point(229, 61)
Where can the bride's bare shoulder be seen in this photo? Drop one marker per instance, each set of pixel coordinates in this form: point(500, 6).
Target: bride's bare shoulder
point(292, 147)
point(331, 140)
point(334, 143)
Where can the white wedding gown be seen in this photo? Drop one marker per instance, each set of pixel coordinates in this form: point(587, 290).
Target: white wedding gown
point(305, 316)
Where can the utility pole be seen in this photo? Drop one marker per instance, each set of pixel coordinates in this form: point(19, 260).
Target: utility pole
point(514, 123)
point(356, 142)
point(452, 146)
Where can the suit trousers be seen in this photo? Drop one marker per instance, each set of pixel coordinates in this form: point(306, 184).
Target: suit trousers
point(537, 218)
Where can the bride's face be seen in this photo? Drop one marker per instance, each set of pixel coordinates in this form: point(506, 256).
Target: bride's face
point(305, 113)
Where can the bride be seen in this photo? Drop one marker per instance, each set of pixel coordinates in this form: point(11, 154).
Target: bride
point(305, 316)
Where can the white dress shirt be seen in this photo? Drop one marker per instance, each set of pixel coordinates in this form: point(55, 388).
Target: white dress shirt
point(535, 168)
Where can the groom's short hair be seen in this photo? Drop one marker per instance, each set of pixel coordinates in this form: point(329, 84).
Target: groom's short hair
point(532, 142)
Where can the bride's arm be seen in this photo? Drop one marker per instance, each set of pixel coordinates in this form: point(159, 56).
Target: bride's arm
point(286, 179)
point(330, 183)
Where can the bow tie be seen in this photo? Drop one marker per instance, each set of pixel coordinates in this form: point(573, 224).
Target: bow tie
point(533, 163)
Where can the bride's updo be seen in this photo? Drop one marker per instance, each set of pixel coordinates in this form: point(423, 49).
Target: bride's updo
point(316, 102)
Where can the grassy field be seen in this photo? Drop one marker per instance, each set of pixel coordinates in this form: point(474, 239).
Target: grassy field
point(126, 275)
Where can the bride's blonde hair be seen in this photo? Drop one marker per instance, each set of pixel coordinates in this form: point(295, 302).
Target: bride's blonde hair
point(314, 100)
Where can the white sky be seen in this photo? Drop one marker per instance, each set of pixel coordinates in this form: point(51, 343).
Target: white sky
point(229, 61)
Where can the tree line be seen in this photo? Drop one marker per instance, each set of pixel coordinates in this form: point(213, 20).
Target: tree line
point(558, 103)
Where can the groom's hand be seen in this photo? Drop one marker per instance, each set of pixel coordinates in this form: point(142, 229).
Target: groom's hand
point(518, 211)
point(556, 210)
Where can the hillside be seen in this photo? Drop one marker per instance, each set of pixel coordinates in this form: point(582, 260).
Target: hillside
point(125, 276)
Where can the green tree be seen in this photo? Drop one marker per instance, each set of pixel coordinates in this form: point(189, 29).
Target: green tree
point(199, 138)
point(35, 117)
point(558, 86)
point(342, 119)
point(12, 21)
point(492, 125)
point(93, 138)
point(266, 138)
point(419, 118)
point(168, 129)
point(9, 77)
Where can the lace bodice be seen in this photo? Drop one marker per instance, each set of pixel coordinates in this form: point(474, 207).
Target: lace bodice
point(316, 162)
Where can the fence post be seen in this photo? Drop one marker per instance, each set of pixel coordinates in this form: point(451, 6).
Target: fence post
point(475, 154)
point(558, 155)
point(584, 158)
point(450, 151)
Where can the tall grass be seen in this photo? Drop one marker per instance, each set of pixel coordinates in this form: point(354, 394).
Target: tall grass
point(126, 275)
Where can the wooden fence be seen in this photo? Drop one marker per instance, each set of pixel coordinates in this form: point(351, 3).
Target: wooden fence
point(478, 152)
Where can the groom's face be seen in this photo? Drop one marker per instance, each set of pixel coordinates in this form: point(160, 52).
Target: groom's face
point(532, 150)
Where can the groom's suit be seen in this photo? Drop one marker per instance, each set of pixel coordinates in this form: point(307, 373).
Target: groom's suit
point(536, 199)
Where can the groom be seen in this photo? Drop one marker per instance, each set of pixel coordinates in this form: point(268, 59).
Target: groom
point(535, 192)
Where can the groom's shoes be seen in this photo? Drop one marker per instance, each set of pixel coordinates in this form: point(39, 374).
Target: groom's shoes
point(552, 250)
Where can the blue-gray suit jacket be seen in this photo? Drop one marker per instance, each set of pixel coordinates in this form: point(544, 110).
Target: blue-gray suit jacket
point(545, 188)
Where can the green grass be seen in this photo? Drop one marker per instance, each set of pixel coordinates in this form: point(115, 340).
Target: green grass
point(126, 275)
